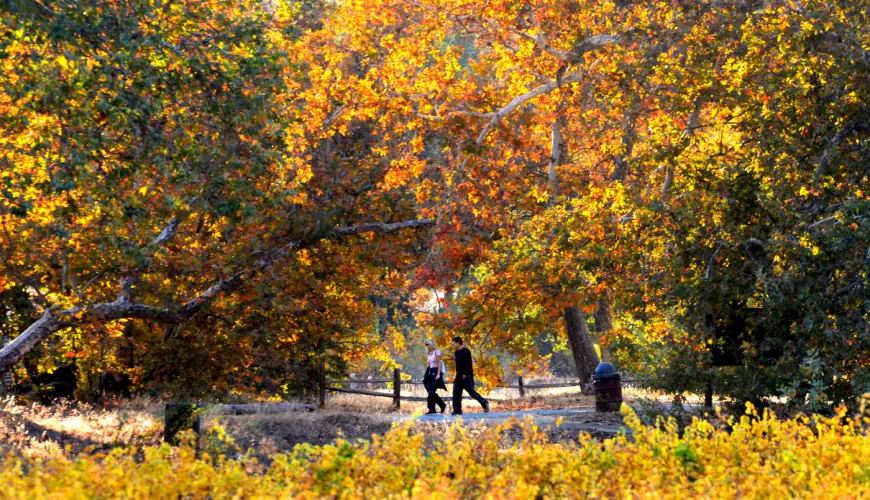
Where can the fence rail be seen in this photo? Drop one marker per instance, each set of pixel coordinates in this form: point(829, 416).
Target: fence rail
point(392, 395)
point(396, 394)
point(256, 408)
point(361, 381)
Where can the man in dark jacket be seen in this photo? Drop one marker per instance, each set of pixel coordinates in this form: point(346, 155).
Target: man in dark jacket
point(464, 378)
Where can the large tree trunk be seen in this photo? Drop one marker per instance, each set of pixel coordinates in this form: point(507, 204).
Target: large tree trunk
point(558, 154)
point(585, 357)
point(582, 348)
point(603, 327)
point(6, 385)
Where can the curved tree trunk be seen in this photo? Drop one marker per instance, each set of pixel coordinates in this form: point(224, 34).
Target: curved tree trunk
point(585, 357)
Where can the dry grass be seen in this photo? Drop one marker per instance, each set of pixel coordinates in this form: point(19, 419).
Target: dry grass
point(71, 428)
point(267, 434)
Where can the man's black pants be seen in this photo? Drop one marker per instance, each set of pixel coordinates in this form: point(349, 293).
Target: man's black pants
point(467, 384)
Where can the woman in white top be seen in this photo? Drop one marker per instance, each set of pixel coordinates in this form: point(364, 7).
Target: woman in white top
point(434, 378)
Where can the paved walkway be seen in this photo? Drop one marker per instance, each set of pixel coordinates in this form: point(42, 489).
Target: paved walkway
point(545, 419)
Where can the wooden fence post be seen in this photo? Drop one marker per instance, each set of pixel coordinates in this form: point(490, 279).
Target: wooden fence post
point(522, 387)
point(322, 384)
point(708, 395)
point(397, 389)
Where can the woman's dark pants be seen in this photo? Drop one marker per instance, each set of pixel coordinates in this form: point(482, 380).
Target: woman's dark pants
point(431, 384)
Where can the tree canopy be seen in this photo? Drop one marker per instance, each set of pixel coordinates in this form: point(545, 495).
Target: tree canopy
point(259, 183)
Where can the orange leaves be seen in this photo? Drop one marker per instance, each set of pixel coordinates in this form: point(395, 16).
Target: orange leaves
point(403, 171)
point(261, 127)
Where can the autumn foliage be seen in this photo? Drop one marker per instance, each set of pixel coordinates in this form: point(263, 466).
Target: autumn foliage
point(215, 195)
point(761, 457)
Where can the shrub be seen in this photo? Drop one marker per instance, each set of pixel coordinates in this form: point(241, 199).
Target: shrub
point(758, 456)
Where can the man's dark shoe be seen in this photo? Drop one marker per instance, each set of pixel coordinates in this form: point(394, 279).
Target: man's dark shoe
point(443, 407)
point(455, 413)
point(486, 407)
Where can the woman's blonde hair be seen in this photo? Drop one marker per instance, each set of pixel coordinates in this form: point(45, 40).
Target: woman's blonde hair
point(431, 341)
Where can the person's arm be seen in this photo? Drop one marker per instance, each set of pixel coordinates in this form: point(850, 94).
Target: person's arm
point(438, 362)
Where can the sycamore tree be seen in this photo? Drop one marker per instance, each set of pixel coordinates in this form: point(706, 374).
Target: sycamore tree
point(197, 167)
point(532, 112)
point(721, 200)
point(245, 178)
point(671, 168)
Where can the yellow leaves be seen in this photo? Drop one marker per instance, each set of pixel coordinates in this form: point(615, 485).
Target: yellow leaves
point(63, 62)
point(303, 257)
point(539, 194)
point(304, 173)
point(761, 457)
point(5, 283)
point(403, 171)
point(115, 330)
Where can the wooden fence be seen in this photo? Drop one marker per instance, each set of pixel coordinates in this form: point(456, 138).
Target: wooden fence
point(396, 394)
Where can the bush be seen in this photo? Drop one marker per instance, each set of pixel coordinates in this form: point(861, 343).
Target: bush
point(759, 456)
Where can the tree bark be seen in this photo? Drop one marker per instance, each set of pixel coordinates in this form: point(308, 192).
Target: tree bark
point(585, 357)
point(582, 348)
point(603, 327)
point(557, 157)
point(6, 385)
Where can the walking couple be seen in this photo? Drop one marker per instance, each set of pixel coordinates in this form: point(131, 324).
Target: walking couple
point(464, 381)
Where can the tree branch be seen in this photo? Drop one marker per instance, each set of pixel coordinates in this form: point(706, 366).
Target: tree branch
point(541, 41)
point(823, 221)
point(833, 144)
point(688, 132)
point(382, 228)
point(710, 262)
point(557, 147)
point(124, 308)
point(168, 232)
point(518, 101)
point(129, 279)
